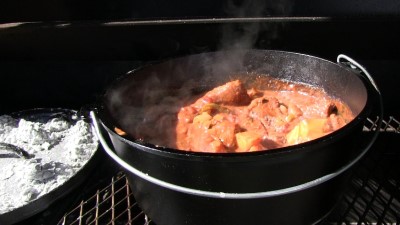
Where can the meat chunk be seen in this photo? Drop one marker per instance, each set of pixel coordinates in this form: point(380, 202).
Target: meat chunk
point(224, 131)
point(262, 107)
point(231, 93)
point(334, 122)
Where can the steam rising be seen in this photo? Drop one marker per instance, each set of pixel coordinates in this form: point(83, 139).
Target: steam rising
point(245, 35)
point(241, 36)
point(157, 87)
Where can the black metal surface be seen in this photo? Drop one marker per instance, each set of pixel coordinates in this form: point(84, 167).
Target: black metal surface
point(160, 39)
point(50, 10)
point(372, 196)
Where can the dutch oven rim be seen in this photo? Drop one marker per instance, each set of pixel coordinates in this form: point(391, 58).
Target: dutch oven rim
point(248, 195)
point(278, 152)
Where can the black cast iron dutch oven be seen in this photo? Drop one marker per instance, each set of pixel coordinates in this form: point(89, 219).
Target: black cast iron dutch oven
point(298, 184)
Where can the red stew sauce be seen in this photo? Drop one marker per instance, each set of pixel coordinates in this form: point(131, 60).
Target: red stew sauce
point(238, 117)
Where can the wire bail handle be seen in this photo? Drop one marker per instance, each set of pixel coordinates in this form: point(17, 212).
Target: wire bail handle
point(355, 65)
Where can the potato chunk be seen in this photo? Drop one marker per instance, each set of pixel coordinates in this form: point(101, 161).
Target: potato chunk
point(246, 140)
point(306, 130)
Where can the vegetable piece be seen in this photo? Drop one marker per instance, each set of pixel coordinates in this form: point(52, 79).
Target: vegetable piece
point(198, 135)
point(246, 140)
point(293, 112)
point(212, 108)
point(119, 131)
point(306, 130)
point(202, 120)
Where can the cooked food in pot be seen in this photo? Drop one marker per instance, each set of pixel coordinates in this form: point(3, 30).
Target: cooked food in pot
point(242, 116)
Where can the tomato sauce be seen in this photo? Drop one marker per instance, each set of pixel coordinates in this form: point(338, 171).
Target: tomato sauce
point(239, 116)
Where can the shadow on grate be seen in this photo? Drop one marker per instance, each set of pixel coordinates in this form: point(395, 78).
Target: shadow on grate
point(372, 196)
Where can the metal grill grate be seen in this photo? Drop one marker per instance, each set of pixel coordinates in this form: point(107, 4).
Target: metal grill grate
point(373, 196)
point(388, 125)
point(113, 204)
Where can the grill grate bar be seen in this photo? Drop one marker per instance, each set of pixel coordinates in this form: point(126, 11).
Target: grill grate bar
point(371, 209)
point(386, 210)
point(373, 196)
point(112, 201)
point(392, 120)
point(97, 203)
point(128, 200)
point(388, 125)
point(80, 213)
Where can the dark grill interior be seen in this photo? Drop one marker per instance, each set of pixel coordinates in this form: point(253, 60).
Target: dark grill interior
point(66, 53)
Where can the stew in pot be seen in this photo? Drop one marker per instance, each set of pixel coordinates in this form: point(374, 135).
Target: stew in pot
point(239, 116)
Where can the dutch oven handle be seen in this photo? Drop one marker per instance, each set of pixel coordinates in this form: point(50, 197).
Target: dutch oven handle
point(361, 71)
point(355, 65)
point(253, 195)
